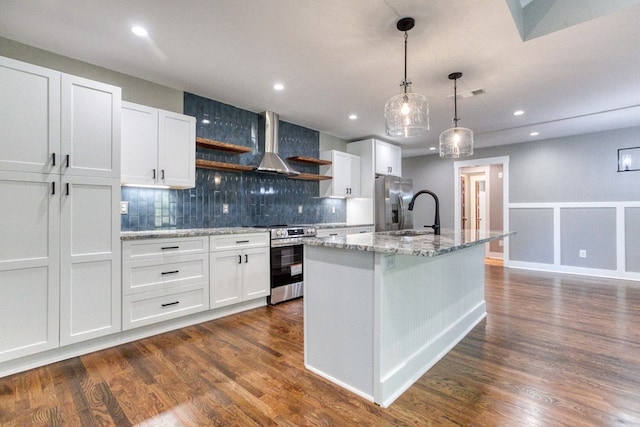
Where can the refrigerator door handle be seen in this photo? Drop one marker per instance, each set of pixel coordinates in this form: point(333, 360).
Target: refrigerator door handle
point(400, 211)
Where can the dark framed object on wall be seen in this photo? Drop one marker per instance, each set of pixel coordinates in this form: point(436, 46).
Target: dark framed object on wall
point(629, 159)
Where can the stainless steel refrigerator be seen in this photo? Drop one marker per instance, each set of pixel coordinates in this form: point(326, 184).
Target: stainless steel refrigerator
point(392, 198)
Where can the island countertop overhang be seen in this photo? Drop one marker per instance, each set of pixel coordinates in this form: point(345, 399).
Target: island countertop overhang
point(410, 242)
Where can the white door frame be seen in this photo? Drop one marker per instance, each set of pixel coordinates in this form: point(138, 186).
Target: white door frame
point(504, 161)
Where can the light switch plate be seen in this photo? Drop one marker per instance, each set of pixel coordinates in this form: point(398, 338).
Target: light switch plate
point(299, 209)
point(124, 208)
point(225, 208)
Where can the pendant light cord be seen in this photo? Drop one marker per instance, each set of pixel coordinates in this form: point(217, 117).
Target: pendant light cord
point(405, 83)
point(455, 103)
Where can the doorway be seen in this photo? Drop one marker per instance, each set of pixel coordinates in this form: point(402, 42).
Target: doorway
point(481, 197)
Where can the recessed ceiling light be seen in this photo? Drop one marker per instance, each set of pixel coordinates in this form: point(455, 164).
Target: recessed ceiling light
point(534, 133)
point(278, 86)
point(352, 117)
point(518, 113)
point(205, 121)
point(139, 31)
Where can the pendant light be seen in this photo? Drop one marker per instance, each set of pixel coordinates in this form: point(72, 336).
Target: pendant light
point(406, 114)
point(458, 141)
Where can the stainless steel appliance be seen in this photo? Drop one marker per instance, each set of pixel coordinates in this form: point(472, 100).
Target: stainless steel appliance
point(392, 196)
point(287, 253)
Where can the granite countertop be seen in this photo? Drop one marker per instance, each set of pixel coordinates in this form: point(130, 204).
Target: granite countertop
point(409, 242)
point(191, 232)
point(188, 232)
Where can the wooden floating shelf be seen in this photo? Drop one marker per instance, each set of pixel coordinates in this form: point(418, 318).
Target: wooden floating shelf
point(223, 146)
point(229, 167)
point(303, 159)
point(310, 177)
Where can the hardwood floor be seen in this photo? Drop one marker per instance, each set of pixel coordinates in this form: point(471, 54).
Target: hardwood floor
point(554, 350)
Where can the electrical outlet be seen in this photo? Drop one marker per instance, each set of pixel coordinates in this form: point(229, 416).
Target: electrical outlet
point(582, 253)
point(389, 262)
point(500, 242)
point(225, 208)
point(333, 209)
point(124, 208)
point(299, 209)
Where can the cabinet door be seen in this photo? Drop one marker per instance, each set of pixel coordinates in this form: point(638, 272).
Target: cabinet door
point(388, 159)
point(90, 128)
point(256, 281)
point(29, 117)
point(345, 173)
point(29, 264)
point(354, 176)
point(225, 278)
point(139, 144)
point(90, 287)
point(176, 150)
point(341, 165)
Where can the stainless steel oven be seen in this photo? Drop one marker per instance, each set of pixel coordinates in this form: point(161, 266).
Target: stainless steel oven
point(287, 258)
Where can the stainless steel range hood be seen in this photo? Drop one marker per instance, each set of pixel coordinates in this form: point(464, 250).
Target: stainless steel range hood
point(268, 137)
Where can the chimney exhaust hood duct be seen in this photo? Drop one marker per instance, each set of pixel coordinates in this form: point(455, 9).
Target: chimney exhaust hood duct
point(268, 138)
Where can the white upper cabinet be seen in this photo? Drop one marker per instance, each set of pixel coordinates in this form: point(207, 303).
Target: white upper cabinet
point(139, 144)
point(158, 147)
point(29, 117)
point(388, 159)
point(345, 173)
point(90, 117)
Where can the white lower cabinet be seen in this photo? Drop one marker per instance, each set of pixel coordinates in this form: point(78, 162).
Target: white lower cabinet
point(242, 273)
point(90, 258)
point(29, 264)
point(164, 279)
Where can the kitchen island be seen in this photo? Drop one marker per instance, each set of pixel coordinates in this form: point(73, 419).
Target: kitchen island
point(380, 309)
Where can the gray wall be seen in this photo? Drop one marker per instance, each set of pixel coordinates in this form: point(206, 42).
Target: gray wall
point(580, 168)
point(133, 89)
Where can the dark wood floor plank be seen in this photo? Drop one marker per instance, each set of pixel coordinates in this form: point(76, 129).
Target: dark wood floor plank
point(554, 350)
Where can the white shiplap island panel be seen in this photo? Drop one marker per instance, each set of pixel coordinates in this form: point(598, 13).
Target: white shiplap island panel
point(377, 320)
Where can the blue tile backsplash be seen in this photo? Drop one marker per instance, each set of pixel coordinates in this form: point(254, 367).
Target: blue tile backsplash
point(253, 198)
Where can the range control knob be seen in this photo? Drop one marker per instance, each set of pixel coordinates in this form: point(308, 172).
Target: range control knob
point(281, 233)
point(311, 231)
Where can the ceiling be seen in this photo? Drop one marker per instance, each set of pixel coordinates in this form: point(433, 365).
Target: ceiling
point(576, 72)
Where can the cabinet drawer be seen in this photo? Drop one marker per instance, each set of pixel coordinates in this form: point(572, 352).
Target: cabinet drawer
point(239, 241)
point(136, 249)
point(156, 273)
point(332, 232)
point(359, 230)
point(152, 307)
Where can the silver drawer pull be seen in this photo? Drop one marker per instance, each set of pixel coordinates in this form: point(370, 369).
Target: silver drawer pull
point(242, 241)
point(170, 247)
point(170, 272)
point(333, 234)
point(170, 303)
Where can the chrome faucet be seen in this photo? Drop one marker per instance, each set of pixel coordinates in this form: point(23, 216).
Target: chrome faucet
point(436, 225)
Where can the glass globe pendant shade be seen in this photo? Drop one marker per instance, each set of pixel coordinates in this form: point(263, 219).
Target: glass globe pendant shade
point(456, 142)
point(406, 115)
